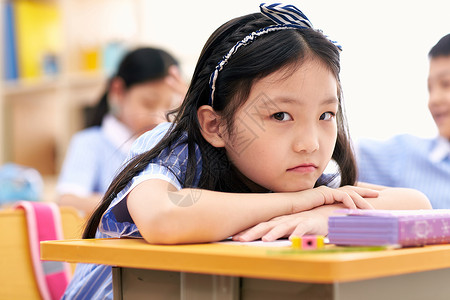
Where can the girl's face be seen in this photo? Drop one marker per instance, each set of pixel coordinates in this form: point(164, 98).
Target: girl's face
point(284, 135)
point(439, 93)
point(143, 106)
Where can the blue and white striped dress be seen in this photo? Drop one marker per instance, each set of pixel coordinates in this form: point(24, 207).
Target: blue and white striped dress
point(95, 281)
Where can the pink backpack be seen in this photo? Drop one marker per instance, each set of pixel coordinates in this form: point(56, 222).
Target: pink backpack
point(44, 224)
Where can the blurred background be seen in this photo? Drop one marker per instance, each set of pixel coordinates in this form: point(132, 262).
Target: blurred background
point(58, 54)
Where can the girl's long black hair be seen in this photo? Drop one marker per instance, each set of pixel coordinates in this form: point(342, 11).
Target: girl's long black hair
point(267, 54)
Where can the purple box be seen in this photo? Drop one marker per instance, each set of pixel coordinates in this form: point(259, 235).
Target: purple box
point(390, 227)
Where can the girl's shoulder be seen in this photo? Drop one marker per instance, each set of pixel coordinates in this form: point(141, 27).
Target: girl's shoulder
point(150, 138)
point(173, 156)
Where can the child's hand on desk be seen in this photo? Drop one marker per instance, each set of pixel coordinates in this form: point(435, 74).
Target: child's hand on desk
point(307, 222)
point(350, 196)
point(313, 221)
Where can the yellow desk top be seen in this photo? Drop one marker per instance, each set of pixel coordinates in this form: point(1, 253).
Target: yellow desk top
point(249, 261)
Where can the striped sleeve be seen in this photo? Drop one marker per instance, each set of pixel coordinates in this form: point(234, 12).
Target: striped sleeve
point(170, 165)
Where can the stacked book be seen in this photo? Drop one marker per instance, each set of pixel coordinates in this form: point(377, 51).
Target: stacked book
point(401, 228)
point(32, 38)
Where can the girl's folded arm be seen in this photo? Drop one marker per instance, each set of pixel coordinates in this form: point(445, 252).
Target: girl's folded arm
point(164, 215)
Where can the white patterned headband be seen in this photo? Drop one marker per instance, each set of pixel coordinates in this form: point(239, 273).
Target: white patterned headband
point(285, 16)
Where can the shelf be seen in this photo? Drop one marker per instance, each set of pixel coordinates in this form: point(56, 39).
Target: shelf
point(20, 87)
point(85, 79)
point(31, 86)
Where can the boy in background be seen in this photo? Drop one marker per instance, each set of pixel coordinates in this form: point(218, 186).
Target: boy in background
point(413, 162)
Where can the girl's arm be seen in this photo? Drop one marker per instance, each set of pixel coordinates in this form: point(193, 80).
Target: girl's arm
point(315, 221)
point(164, 215)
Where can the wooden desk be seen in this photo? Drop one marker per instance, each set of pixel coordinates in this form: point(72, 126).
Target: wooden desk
point(221, 271)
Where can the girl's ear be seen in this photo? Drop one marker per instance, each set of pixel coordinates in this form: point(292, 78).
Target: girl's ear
point(210, 126)
point(117, 89)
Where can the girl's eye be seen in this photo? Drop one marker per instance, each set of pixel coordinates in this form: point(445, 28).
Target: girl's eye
point(282, 116)
point(327, 116)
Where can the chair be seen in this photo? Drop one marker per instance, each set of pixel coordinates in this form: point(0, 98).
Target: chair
point(17, 280)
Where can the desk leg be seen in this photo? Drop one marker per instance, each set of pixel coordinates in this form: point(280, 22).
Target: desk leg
point(117, 283)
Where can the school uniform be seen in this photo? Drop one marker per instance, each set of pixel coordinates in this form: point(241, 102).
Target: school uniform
point(93, 158)
point(408, 161)
point(95, 281)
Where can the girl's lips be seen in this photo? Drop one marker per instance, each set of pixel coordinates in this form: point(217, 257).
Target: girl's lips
point(304, 168)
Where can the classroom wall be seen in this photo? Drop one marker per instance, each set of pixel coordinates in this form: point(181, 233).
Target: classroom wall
point(384, 62)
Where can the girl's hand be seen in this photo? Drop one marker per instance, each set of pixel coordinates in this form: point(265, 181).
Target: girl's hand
point(311, 213)
point(350, 196)
point(307, 222)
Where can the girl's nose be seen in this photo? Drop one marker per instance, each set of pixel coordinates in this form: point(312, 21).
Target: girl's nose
point(306, 141)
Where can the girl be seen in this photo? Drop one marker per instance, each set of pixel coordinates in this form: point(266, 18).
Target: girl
point(146, 86)
point(246, 154)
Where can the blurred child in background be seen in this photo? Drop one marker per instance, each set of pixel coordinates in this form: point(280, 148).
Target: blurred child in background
point(146, 86)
